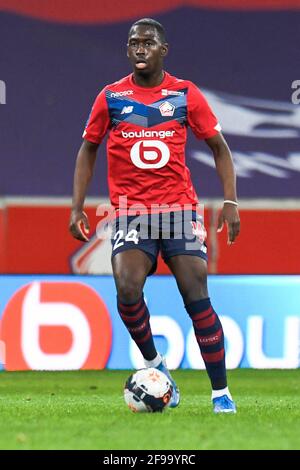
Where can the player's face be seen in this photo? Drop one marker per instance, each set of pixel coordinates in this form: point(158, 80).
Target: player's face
point(145, 50)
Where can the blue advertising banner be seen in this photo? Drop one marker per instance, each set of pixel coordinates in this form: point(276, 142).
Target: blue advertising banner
point(71, 322)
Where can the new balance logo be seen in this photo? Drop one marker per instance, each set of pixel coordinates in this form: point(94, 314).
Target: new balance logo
point(127, 110)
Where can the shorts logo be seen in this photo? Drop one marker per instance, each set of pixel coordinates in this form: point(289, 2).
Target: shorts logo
point(121, 93)
point(150, 154)
point(199, 231)
point(167, 109)
point(56, 326)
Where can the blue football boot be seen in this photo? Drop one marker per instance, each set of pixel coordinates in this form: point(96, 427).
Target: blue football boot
point(223, 404)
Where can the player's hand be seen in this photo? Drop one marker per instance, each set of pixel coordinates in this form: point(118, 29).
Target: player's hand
point(79, 224)
point(230, 216)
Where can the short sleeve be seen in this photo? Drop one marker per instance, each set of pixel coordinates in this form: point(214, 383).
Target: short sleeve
point(201, 118)
point(98, 121)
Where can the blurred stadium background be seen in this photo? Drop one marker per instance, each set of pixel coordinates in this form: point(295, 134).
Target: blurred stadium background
point(55, 56)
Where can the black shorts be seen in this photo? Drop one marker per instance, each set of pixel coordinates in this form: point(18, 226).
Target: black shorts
point(172, 233)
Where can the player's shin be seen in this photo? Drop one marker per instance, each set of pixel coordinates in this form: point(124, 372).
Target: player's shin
point(136, 319)
point(210, 338)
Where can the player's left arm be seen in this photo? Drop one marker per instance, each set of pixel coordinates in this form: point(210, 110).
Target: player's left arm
point(226, 172)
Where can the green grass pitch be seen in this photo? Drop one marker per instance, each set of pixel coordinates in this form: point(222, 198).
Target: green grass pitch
point(86, 410)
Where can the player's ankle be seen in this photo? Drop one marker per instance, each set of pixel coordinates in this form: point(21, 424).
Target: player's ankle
point(154, 362)
point(220, 393)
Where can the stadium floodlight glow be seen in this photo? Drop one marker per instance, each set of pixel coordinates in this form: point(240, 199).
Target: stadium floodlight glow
point(2, 92)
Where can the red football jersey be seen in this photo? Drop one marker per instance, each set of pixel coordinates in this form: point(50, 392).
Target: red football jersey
point(147, 135)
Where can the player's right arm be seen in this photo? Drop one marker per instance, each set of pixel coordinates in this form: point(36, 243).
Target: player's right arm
point(96, 128)
point(84, 170)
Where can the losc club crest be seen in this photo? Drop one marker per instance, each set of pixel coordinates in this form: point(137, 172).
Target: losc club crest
point(166, 109)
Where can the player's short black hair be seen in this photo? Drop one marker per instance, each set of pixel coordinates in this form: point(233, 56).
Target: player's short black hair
point(154, 24)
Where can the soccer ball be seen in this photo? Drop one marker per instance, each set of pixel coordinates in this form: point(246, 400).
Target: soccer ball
point(148, 390)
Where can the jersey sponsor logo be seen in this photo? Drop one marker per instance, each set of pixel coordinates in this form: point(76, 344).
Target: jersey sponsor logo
point(127, 110)
point(121, 93)
point(150, 154)
point(143, 133)
point(172, 92)
point(56, 326)
point(167, 109)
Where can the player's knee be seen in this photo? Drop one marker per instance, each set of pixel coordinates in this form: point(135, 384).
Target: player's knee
point(129, 289)
point(196, 289)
